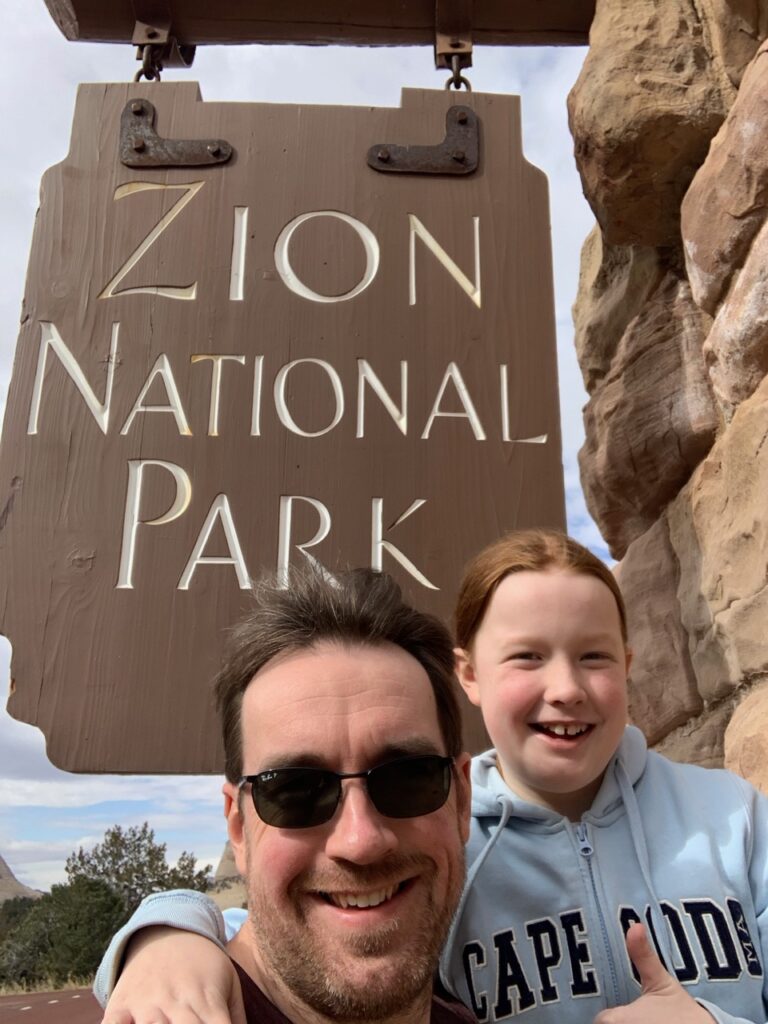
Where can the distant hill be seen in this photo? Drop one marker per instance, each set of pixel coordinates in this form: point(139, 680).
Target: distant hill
point(228, 889)
point(11, 888)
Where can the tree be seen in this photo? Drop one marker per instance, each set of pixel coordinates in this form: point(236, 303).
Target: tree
point(134, 865)
point(23, 951)
point(84, 916)
point(12, 913)
point(64, 935)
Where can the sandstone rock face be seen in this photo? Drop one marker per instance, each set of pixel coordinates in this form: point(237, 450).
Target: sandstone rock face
point(226, 869)
point(725, 235)
point(746, 739)
point(614, 283)
point(699, 741)
point(718, 529)
point(11, 888)
point(651, 419)
point(662, 685)
point(726, 204)
point(228, 889)
point(735, 29)
point(675, 358)
point(653, 91)
point(737, 346)
point(696, 587)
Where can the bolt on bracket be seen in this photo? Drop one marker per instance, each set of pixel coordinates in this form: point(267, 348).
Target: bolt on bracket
point(141, 146)
point(458, 153)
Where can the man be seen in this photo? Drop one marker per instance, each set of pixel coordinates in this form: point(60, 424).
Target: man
point(347, 802)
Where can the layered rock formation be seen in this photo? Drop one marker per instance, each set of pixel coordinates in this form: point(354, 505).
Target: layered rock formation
point(228, 889)
point(11, 888)
point(653, 91)
point(669, 115)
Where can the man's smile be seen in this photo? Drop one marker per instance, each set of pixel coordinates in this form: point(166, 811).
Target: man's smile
point(362, 900)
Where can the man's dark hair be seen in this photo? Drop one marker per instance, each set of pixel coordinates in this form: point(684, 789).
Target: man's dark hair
point(356, 606)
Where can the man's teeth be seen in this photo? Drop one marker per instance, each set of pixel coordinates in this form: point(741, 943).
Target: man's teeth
point(566, 730)
point(362, 899)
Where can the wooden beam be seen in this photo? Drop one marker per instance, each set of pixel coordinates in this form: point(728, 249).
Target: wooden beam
point(353, 22)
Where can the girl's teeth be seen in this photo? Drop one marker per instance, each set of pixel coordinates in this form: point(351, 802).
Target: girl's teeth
point(566, 730)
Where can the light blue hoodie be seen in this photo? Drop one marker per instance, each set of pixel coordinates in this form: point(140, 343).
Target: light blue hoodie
point(539, 930)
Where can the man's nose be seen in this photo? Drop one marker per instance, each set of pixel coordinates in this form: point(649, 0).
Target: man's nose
point(358, 833)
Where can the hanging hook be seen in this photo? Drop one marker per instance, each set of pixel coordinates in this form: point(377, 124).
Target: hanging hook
point(453, 40)
point(457, 79)
point(156, 46)
point(151, 65)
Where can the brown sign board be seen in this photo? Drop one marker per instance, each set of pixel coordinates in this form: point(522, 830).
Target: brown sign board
point(365, 22)
point(234, 366)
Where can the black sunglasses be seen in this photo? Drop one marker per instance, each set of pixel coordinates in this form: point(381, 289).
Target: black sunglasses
point(303, 797)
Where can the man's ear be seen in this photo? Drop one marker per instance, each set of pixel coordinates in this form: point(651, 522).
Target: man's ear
point(465, 673)
point(235, 824)
point(462, 765)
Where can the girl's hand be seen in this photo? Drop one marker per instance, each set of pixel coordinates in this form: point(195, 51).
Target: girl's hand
point(663, 997)
point(175, 977)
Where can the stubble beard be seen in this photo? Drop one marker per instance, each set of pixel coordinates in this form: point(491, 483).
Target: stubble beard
point(297, 956)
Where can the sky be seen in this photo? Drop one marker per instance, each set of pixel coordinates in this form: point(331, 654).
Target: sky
point(45, 813)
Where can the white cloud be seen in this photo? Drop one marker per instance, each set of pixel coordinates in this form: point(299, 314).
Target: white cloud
point(41, 850)
point(39, 874)
point(83, 790)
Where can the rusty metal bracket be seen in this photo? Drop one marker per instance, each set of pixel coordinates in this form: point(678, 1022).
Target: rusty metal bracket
point(141, 146)
point(453, 34)
point(154, 40)
point(155, 32)
point(458, 153)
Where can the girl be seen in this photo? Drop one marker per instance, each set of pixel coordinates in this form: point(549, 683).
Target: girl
point(578, 831)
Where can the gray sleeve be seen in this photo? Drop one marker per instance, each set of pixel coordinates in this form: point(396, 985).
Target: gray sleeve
point(183, 908)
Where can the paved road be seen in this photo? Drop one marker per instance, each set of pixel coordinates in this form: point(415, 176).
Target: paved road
point(75, 1006)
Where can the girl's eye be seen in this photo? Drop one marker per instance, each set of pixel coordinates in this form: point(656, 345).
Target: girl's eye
point(525, 656)
point(596, 656)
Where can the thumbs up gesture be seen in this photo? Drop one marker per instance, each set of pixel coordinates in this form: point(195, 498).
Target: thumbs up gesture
point(663, 997)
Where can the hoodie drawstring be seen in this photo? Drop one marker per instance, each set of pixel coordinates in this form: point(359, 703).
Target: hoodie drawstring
point(637, 833)
point(506, 813)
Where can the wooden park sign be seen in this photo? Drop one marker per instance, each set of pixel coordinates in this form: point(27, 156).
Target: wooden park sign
point(255, 334)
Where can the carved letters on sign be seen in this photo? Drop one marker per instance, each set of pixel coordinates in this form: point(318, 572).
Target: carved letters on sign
point(239, 367)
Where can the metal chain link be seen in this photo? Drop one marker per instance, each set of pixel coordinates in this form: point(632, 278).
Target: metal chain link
point(457, 80)
point(151, 65)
